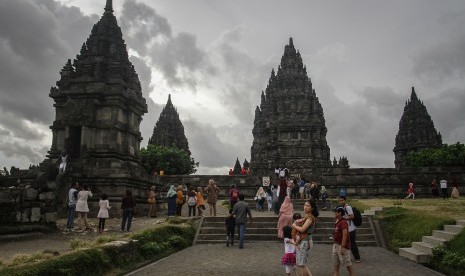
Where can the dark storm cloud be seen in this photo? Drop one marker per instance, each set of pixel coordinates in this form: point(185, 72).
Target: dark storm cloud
point(22, 150)
point(19, 128)
point(142, 25)
point(34, 46)
point(356, 129)
point(178, 57)
point(443, 61)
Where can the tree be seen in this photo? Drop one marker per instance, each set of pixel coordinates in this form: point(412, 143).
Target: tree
point(172, 160)
point(447, 155)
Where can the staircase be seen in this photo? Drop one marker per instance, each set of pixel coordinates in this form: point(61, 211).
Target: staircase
point(421, 252)
point(264, 228)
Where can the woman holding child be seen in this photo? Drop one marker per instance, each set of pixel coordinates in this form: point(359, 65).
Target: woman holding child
point(305, 227)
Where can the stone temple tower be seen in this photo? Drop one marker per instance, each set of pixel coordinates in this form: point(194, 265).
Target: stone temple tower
point(99, 108)
point(416, 131)
point(289, 128)
point(168, 130)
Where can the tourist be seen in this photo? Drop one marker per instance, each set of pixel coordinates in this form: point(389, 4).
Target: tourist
point(72, 200)
point(269, 198)
point(282, 173)
point(275, 190)
point(285, 215)
point(151, 201)
point(341, 242)
point(248, 171)
point(276, 172)
point(305, 229)
point(455, 189)
point(260, 198)
point(324, 196)
point(289, 185)
point(288, 259)
point(192, 201)
point(200, 201)
point(180, 199)
point(82, 208)
point(230, 226)
point(171, 196)
point(212, 195)
point(349, 216)
point(231, 172)
point(104, 205)
point(434, 188)
point(128, 205)
point(241, 210)
point(302, 188)
point(443, 185)
point(64, 160)
point(315, 194)
point(233, 195)
point(281, 191)
point(308, 188)
point(243, 171)
point(295, 188)
point(410, 191)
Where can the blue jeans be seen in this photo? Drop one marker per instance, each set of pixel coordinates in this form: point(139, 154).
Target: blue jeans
point(71, 215)
point(127, 216)
point(241, 227)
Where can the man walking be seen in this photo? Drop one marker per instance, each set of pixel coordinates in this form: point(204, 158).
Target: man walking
point(341, 243)
point(443, 185)
point(241, 210)
point(72, 200)
point(349, 216)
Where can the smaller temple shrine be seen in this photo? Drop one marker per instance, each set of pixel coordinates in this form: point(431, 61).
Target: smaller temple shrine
point(168, 130)
point(416, 131)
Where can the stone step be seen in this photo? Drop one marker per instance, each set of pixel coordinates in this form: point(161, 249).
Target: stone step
point(453, 228)
point(414, 255)
point(435, 241)
point(423, 247)
point(443, 234)
point(253, 234)
point(460, 222)
point(278, 241)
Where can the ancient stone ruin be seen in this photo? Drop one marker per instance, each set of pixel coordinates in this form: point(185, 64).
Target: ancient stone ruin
point(289, 128)
point(416, 131)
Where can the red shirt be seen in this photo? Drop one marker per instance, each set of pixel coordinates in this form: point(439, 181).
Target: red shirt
point(339, 226)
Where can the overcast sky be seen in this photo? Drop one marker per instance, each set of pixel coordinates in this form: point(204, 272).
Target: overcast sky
point(215, 57)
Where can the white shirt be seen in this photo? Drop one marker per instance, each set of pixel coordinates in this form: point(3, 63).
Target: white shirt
point(349, 212)
point(288, 247)
point(443, 184)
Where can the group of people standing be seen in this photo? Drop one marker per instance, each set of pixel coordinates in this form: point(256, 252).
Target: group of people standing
point(296, 231)
point(435, 188)
point(194, 197)
point(77, 198)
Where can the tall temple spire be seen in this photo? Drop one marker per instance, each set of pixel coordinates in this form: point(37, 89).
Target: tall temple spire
point(416, 131)
point(289, 128)
point(109, 6)
point(168, 130)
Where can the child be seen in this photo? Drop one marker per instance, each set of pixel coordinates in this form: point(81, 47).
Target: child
point(296, 235)
point(410, 191)
point(230, 225)
point(288, 259)
point(103, 212)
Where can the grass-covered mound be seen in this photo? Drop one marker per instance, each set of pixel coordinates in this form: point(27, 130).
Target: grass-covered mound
point(100, 259)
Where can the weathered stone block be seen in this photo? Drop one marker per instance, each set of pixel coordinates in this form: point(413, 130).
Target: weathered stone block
point(51, 185)
point(35, 214)
point(25, 215)
point(30, 194)
point(47, 196)
point(51, 217)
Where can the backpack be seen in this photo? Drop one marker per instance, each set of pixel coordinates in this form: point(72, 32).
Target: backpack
point(234, 195)
point(357, 217)
point(191, 201)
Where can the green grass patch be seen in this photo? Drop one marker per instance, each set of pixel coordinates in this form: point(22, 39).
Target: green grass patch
point(402, 227)
point(79, 244)
point(450, 258)
point(153, 244)
point(106, 239)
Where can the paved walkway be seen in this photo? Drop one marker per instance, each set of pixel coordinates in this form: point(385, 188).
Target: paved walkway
point(264, 259)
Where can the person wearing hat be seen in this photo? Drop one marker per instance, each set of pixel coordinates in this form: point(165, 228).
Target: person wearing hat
point(341, 242)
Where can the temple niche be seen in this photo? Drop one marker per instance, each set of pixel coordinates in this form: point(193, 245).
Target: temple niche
point(289, 127)
point(168, 130)
point(416, 131)
point(99, 108)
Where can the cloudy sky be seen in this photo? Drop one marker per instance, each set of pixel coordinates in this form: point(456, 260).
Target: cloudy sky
point(215, 57)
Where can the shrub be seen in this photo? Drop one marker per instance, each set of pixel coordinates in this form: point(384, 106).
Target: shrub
point(450, 258)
